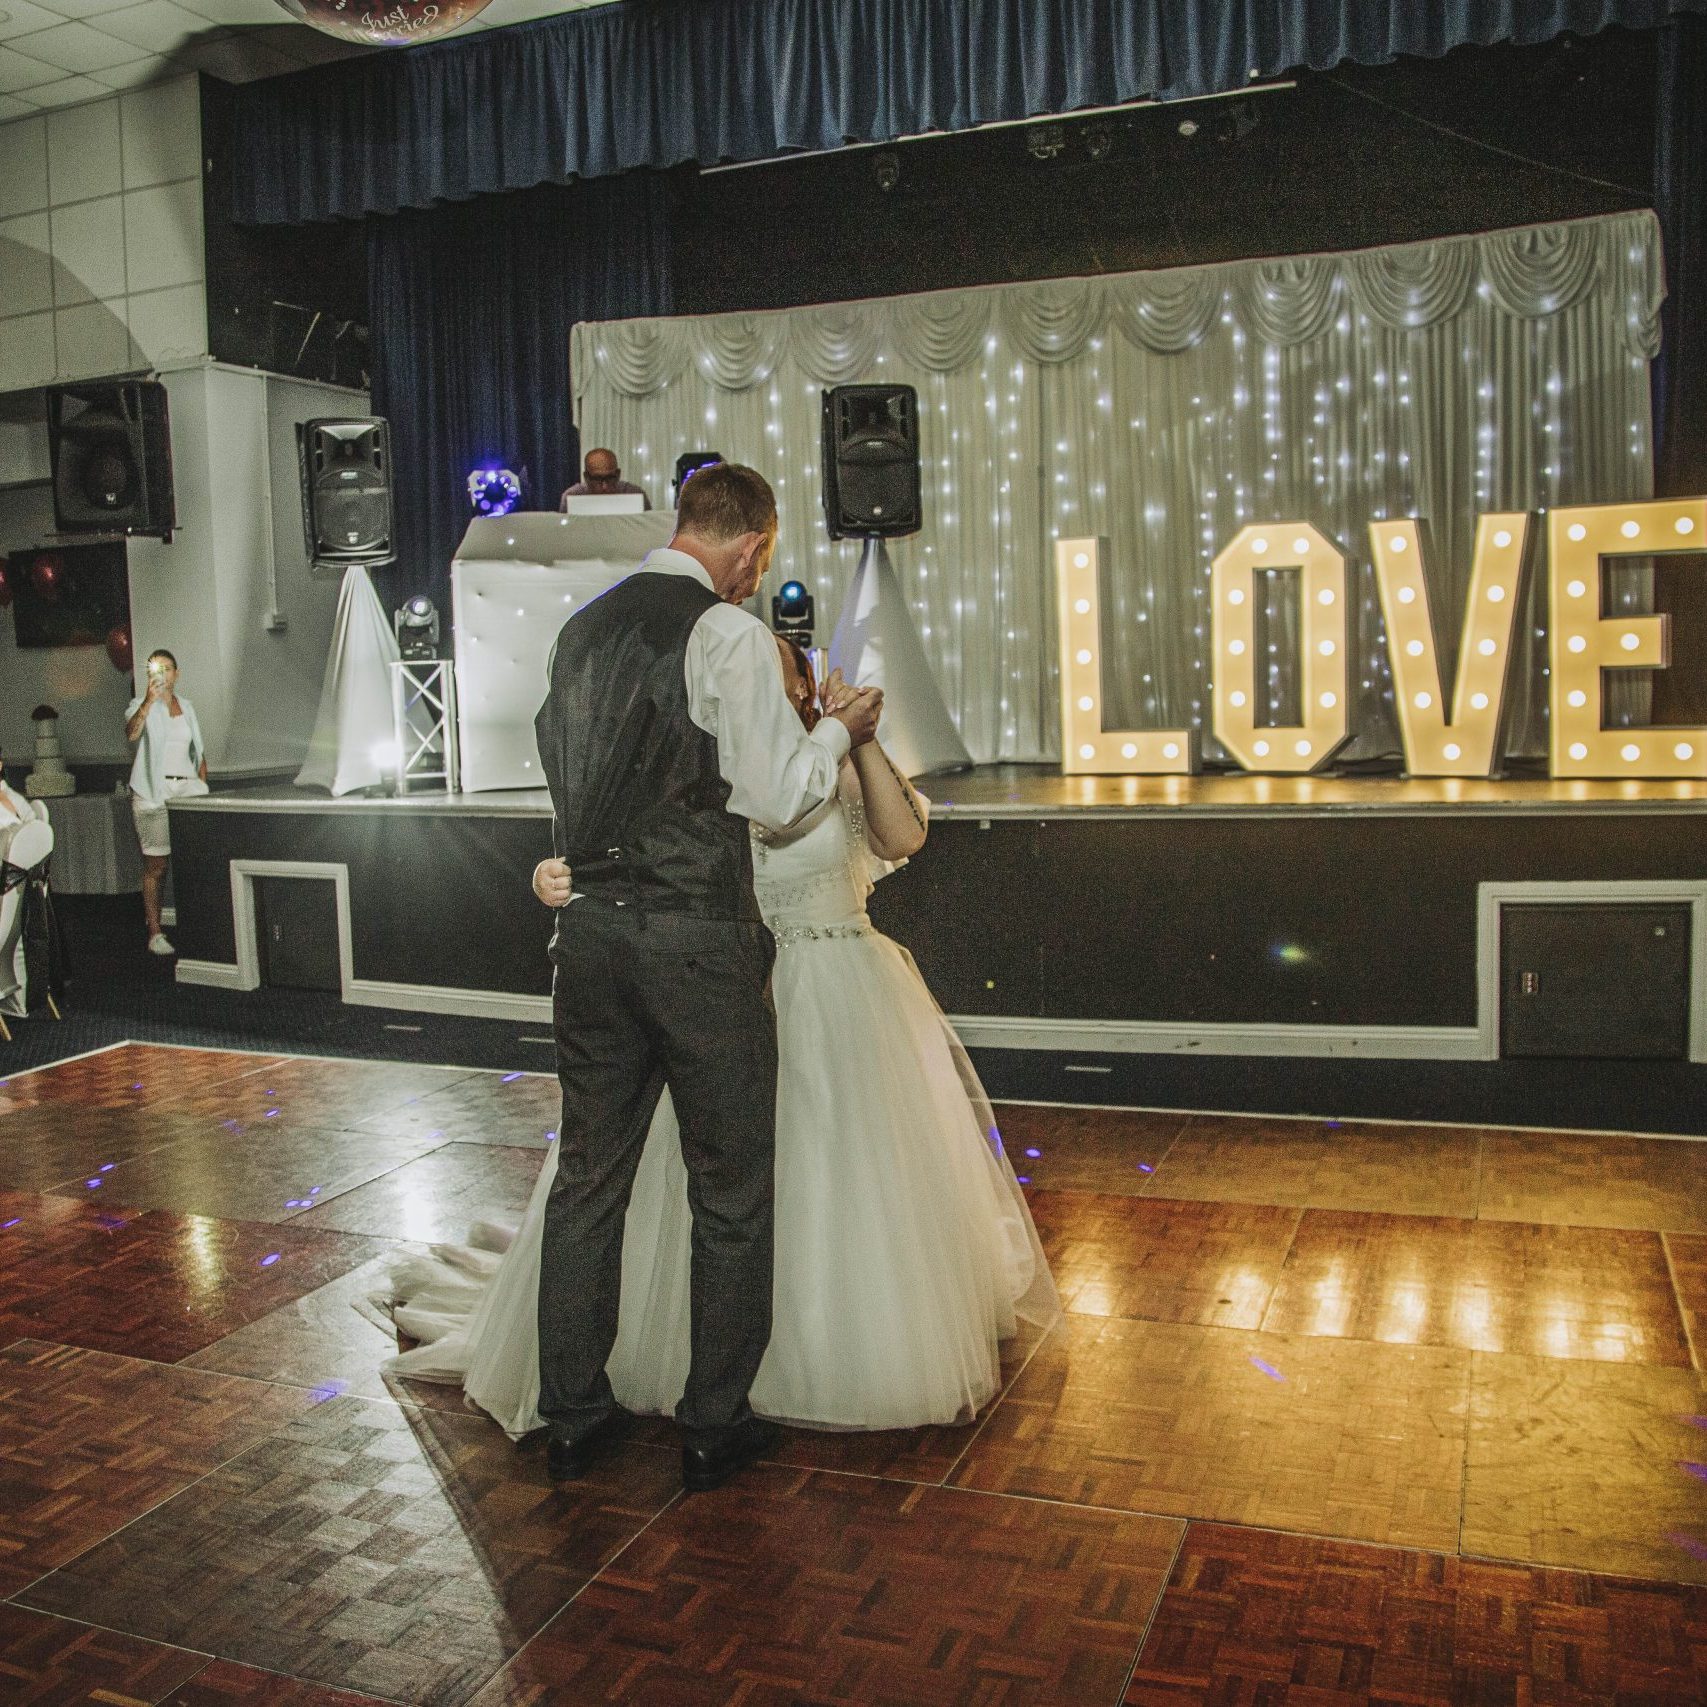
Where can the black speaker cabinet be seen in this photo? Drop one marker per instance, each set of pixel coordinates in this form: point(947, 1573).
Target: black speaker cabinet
point(110, 446)
point(871, 461)
point(346, 492)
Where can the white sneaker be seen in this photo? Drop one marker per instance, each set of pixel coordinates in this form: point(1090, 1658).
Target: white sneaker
point(157, 944)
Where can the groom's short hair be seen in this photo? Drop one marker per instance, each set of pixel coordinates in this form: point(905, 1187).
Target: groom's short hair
point(724, 501)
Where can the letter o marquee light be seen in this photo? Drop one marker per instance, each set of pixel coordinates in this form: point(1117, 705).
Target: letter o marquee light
point(1321, 566)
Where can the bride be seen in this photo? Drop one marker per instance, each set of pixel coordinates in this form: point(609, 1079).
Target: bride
point(904, 1248)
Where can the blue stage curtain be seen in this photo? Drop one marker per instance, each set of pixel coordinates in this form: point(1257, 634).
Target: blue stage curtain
point(471, 309)
point(1680, 199)
point(647, 84)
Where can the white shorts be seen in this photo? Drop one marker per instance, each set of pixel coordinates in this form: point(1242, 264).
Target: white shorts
point(152, 829)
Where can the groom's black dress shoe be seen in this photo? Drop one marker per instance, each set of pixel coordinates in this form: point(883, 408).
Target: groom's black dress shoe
point(569, 1460)
point(708, 1467)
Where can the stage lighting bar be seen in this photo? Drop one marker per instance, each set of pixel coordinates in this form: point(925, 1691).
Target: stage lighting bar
point(1322, 630)
point(1468, 743)
point(1086, 746)
point(1583, 643)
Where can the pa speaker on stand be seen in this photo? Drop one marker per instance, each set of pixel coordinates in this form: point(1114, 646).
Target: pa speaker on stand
point(872, 491)
point(110, 447)
point(346, 493)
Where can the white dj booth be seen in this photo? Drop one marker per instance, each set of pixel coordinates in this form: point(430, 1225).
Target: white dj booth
point(515, 581)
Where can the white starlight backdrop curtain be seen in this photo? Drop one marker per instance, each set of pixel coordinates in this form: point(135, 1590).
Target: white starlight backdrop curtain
point(1166, 410)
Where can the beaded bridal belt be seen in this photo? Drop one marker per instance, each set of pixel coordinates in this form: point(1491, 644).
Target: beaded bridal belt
point(787, 935)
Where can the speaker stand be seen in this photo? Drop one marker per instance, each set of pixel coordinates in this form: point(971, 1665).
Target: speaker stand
point(876, 645)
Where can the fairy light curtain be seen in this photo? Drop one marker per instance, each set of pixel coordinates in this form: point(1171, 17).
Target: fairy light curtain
point(1165, 410)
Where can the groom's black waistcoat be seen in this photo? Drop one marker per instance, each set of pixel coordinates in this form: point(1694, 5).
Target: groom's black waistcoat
point(641, 809)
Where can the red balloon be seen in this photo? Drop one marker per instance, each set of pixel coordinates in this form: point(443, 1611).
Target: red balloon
point(385, 23)
point(47, 576)
point(121, 650)
point(5, 586)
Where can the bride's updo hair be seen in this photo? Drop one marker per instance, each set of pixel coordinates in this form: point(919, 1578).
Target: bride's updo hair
point(724, 501)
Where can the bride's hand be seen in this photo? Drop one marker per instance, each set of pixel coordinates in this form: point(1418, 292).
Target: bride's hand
point(551, 882)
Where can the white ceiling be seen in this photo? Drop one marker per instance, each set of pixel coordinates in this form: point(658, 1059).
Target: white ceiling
point(54, 53)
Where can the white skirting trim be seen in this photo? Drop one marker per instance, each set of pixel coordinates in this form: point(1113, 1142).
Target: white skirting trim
point(214, 972)
point(1164, 1037)
point(443, 999)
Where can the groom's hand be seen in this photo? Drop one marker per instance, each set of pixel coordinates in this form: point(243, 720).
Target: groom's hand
point(551, 882)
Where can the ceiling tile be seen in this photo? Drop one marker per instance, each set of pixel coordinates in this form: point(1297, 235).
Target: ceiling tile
point(86, 8)
point(259, 12)
point(75, 47)
point(17, 72)
point(12, 108)
point(158, 26)
point(20, 17)
point(154, 68)
point(68, 91)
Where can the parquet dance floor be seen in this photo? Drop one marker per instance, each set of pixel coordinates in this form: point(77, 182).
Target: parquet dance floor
point(1339, 1414)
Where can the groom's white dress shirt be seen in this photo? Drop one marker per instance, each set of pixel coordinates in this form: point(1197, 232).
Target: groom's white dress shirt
point(776, 771)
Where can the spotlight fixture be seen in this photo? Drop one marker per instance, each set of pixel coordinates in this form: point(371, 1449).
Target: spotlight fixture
point(416, 625)
point(1099, 140)
point(792, 614)
point(688, 464)
point(1188, 127)
point(1046, 141)
point(493, 491)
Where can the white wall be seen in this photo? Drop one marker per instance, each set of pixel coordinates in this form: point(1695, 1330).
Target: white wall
point(78, 681)
point(101, 253)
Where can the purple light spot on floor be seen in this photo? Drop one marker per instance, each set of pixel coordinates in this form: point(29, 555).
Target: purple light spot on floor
point(509, 1078)
point(1694, 1422)
point(93, 1183)
point(552, 1137)
point(1024, 1179)
point(270, 1258)
point(329, 1390)
point(16, 1221)
point(110, 1222)
point(1035, 1155)
point(314, 1190)
point(137, 1086)
point(297, 1203)
point(1688, 1543)
point(106, 1167)
point(1268, 1369)
point(269, 1114)
point(1145, 1168)
point(1691, 1468)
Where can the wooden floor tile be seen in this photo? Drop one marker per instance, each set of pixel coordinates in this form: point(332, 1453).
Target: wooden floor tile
point(485, 1108)
point(331, 1341)
point(131, 1075)
point(90, 1273)
point(326, 1093)
point(1325, 1436)
point(53, 1662)
point(1251, 1616)
point(395, 1552)
point(90, 1441)
point(55, 1143)
point(223, 1684)
point(1687, 1253)
point(260, 1171)
point(437, 1198)
point(1411, 1170)
point(1086, 1149)
point(1598, 1466)
point(1482, 1285)
point(1585, 1180)
point(798, 1587)
point(1214, 1264)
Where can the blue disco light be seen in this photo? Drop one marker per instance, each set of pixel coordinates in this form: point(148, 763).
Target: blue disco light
point(493, 491)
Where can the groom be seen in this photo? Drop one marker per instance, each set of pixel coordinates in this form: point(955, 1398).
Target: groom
point(664, 732)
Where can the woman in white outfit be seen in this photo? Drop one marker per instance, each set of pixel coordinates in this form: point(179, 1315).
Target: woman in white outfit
point(171, 762)
point(904, 1248)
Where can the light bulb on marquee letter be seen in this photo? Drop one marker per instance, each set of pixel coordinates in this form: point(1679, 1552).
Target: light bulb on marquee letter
point(1087, 749)
point(1321, 621)
point(1583, 643)
point(1467, 745)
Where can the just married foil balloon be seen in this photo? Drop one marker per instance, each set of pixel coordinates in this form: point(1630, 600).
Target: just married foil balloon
point(385, 23)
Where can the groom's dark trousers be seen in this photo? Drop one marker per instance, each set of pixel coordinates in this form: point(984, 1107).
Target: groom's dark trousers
point(641, 999)
point(662, 977)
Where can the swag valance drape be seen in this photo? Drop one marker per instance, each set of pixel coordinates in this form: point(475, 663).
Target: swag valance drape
point(1164, 411)
point(591, 93)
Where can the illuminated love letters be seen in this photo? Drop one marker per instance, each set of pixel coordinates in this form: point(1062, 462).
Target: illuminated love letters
point(1582, 643)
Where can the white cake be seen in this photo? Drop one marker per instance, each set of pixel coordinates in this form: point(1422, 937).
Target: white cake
point(49, 780)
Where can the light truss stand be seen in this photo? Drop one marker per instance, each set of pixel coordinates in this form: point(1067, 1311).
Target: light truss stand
point(423, 716)
point(876, 645)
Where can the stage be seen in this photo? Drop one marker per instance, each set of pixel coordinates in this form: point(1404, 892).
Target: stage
point(1073, 927)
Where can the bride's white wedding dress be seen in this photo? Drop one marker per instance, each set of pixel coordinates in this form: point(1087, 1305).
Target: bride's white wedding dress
point(904, 1248)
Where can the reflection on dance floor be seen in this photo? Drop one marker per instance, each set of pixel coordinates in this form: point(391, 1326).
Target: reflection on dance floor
point(1371, 1412)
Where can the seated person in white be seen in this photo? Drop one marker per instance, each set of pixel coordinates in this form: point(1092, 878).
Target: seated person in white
point(171, 763)
point(904, 1248)
point(15, 812)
